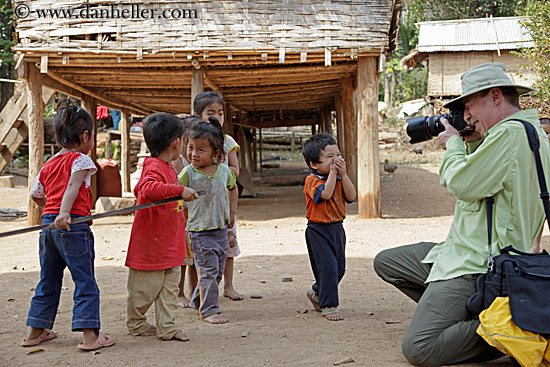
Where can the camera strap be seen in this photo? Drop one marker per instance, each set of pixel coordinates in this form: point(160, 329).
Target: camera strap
point(534, 144)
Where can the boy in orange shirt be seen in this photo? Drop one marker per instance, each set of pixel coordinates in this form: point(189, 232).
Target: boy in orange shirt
point(327, 189)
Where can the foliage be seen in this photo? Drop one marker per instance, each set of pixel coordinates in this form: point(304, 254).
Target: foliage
point(6, 33)
point(428, 10)
point(539, 27)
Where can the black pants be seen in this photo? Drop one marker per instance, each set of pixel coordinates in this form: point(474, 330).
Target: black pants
point(326, 245)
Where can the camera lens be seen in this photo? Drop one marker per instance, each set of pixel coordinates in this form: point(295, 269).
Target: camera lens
point(417, 129)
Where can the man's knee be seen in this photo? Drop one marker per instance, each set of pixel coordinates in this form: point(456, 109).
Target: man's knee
point(418, 353)
point(380, 263)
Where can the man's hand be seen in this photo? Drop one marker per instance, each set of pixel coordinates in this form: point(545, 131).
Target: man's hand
point(340, 164)
point(62, 221)
point(473, 136)
point(445, 135)
point(189, 194)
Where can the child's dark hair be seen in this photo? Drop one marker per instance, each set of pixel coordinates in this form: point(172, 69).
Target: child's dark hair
point(160, 130)
point(189, 122)
point(70, 122)
point(212, 131)
point(313, 146)
point(205, 99)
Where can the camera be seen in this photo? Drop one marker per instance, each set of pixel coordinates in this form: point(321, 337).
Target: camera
point(423, 128)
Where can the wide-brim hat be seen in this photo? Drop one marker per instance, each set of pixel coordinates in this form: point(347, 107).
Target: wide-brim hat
point(485, 76)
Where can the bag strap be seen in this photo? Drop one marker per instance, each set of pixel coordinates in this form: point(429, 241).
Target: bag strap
point(534, 144)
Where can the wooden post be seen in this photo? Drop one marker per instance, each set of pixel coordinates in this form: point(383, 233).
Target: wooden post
point(261, 169)
point(254, 152)
point(36, 136)
point(350, 128)
point(89, 104)
point(228, 126)
point(326, 120)
point(242, 152)
point(339, 123)
point(125, 149)
point(368, 165)
point(249, 159)
point(293, 142)
point(197, 84)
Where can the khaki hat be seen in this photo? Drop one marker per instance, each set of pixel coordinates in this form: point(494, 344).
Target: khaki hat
point(483, 77)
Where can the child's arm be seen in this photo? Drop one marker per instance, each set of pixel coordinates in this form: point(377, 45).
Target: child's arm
point(41, 202)
point(71, 192)
point(330, 183)
point(233, 202)
point(233, 162)
point(233, 197)
point(347, 185)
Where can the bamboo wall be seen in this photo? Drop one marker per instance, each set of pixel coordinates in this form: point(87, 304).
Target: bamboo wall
point(445, 70)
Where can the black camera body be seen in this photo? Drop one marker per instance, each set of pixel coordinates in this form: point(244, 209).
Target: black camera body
point(424, 128)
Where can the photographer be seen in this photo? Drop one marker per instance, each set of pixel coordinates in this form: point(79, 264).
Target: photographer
point(495, 160)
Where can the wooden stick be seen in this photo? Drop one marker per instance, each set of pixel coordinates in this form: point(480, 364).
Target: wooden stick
point(100, 215)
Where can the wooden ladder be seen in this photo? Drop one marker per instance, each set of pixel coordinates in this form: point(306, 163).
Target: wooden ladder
point(13, 122)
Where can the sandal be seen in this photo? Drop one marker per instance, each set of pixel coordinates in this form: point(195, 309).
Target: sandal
point(46, 334)
point(103, 340)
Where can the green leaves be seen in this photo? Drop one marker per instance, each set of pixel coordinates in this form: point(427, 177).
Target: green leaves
point(538, 26)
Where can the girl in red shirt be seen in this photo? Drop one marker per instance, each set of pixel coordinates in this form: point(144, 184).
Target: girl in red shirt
point(62, 187)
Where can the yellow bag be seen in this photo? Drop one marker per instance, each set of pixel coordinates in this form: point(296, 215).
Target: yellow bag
point(498, 330)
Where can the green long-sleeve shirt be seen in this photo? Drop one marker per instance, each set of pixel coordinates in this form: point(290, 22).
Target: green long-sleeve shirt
point(502, 166)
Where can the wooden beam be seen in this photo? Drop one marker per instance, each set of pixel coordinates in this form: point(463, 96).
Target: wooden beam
point(125, 149)
point(99, 97)
point(36, 137)
point(368, 165)
point(197, 85)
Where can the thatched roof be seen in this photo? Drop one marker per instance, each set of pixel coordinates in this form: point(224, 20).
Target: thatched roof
point(263, 55)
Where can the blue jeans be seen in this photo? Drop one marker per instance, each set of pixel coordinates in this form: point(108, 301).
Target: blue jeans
point(59, 249)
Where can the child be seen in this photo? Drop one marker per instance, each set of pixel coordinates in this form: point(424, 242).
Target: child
point(205, 105)
point(209, 215)
point(157, 241)
point(328, 189)
point(178, 164)
point(62, 187)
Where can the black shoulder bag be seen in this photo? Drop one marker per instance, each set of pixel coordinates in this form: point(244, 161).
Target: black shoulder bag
point(521, 276)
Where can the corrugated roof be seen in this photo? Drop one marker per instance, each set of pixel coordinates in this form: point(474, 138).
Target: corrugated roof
point(473, 35)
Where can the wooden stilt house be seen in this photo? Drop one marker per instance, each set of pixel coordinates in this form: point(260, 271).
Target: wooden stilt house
point(277, 63)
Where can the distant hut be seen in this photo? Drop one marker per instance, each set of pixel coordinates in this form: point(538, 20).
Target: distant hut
point(277, 63)
point(451, 47)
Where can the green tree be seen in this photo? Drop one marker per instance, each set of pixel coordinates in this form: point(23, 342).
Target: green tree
point(6, 53)
point(538, 25)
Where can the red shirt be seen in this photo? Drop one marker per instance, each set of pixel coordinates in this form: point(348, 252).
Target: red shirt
point(157, 240)
point(54, 177)
point(324, 211)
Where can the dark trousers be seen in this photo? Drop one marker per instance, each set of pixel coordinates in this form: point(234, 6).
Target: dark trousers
point(326, 245)
point(442, 330)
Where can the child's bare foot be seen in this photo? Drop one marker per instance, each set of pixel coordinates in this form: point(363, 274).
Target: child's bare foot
point(313, 302)
point(335, 316)
point(183, 302)
point(231, 293)
point(152, 331)
point(180, 336)
point(216, 319)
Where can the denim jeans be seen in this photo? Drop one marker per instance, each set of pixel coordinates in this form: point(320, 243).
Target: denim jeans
point(59, 249)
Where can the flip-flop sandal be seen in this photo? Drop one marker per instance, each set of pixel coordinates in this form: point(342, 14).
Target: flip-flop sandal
point(103, 340)
point(46, 334)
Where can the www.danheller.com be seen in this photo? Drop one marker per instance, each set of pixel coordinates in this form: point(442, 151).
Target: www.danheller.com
point(114, 11)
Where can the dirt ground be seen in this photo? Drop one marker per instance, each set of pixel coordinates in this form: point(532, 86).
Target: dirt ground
point(283, 329)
